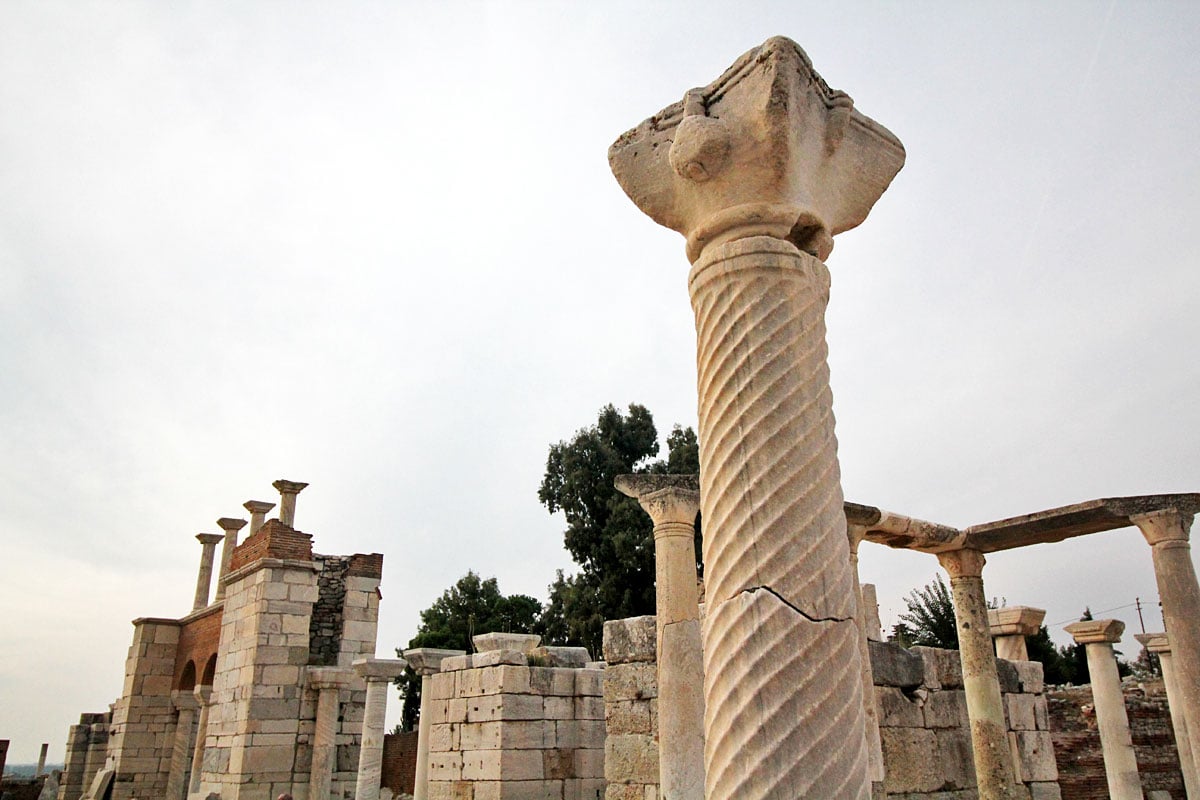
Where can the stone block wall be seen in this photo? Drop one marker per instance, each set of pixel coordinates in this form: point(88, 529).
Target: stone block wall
point(1077, 741)
point(631, 709)
point(87, 749)
point(143, 719)
point(502, 726)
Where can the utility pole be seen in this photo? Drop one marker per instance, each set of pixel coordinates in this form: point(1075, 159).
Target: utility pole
point(1138, 602)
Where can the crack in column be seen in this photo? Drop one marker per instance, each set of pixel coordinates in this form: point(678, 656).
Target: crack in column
point(794, 607)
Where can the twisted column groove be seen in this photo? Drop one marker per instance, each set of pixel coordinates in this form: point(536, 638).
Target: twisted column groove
point(783, 687)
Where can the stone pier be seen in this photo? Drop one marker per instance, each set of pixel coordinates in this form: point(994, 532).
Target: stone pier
point(426, 662)
point(759, 170)
point(1168, 532)
point(1158, 644)
point(379, 674)
point(1120, 761)
point(185, 704)
point(1010, 625)
point(672, 501)
point(329, 683)
point(994, 769)
point(231, 526)
point(208, 552)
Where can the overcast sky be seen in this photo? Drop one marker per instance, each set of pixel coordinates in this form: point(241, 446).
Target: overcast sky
point(377, 247)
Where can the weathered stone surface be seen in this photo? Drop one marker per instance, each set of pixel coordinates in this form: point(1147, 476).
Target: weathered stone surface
point(573, 657)
point(629, 640)
point(892, 665)
point(908, 753)
point(897, 710)
point(943, 668)
point(521, 642)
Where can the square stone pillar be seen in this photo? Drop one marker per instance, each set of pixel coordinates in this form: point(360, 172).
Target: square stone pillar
point(759, 170)
point(1120, 761)
point(1010, 625)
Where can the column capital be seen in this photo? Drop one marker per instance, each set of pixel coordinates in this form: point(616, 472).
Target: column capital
point(184, 699)
point(1163, 526)
point(1154, 642)
point(766, 149)
point(322, 678)
point(230, 524)
point(666, 498)
point(962, 563)
point(518, 642)
point(203, 694)
point(428, 660)
point(379, 669)
point(1015, 620)
point(289, 487)
point(210, 538)
point(258, 506)
point(1096, 631)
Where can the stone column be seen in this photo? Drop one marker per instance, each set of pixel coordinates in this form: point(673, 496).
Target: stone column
point(855, 534)
point(181, 748)
point(1010, 625)
point(758, 170)
point(203, 695)
point(204, 576)
point(258, 513)
point(994, 770)
point(231, 527)
point(287, 500)
point(41, 765)
point(1158, 644)
point(379, 674)
point(1167, 533)
point(1120, 761)
point(672, 501)
point(329, 682)
point(425, 661)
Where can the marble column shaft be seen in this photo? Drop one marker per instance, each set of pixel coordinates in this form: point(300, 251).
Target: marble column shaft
point(203, 695)
point(1167, 533)
point(208, 552)
point(1116, 742)
point(379, 674)
point(287, 500)
point(231, 527)
point(324, 748)
point(994, 769)
point(258, 513)
point(181, 745)
point(426, 662)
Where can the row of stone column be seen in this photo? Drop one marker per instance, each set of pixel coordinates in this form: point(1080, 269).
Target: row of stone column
point(232, 526)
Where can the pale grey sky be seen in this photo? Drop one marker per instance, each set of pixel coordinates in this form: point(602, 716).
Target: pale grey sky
point(376, 247)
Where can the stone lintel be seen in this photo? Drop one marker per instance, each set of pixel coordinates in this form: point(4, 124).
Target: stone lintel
point(379, 669)
point(1057, 524)
point(231, 524)
point(331, 677)
point(1096, 631)
point(156, 621)
point(257, 506)
point(898, 531)
point(210, 538)
point(768, 148)
point(1015, 620)
point(428, 660)
point(289, 487)
point(1154, 642)
point(520, 642)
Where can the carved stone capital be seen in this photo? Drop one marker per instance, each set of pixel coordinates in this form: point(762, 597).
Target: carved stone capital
point(257, 506)
point(766, 149)
point(230, 525)
point(1015, 620)
point(379, 669)
point(289, 487)
point(203, 694)
point(428, 660)
point(668, 499)
point(209, 538)
point(1096, 631)
point(321, 678)
point(1154, 642)
point(962, 563)
point(184, 699)
point(1163, 526)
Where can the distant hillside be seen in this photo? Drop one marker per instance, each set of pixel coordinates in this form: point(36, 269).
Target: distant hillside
point(27, 770)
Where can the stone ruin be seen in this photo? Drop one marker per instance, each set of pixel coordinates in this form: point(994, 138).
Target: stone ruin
point(776, 687)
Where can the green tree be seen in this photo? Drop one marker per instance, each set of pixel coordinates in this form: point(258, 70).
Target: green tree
point(929, 620)
point(471, 606)
point(1055, 667)
point(608, 535)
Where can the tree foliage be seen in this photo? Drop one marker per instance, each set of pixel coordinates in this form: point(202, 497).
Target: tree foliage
point(608, 535)
point(471, 606)
point(929, 618)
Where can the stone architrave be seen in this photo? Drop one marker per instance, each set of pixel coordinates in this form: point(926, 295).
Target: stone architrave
point(1120, 762)
point(231, 527)
point(329, 683)
point(181, 747)
point(203, 695)
point(426, 661)
point(994, 770)
point(258, 513)
point(759, 170)
point(379, 674)
point(208, 552)
point(1158, 644)
point(1010, 625)
point(1167, 532)
point(287, 500)
point(855, 534)
point(672, 501)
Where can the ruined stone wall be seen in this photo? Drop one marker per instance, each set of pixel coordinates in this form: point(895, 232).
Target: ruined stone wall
point(1077, 741)
point(87, 749)
point(502, 726)
point(631, 709)
point(325, 628)
point(199, 636)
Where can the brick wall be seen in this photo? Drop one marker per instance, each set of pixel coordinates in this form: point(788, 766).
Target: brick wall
point(272, 540)
point(365, 565)
point(1077, 741)
point(198, 639)
point(399, 762)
